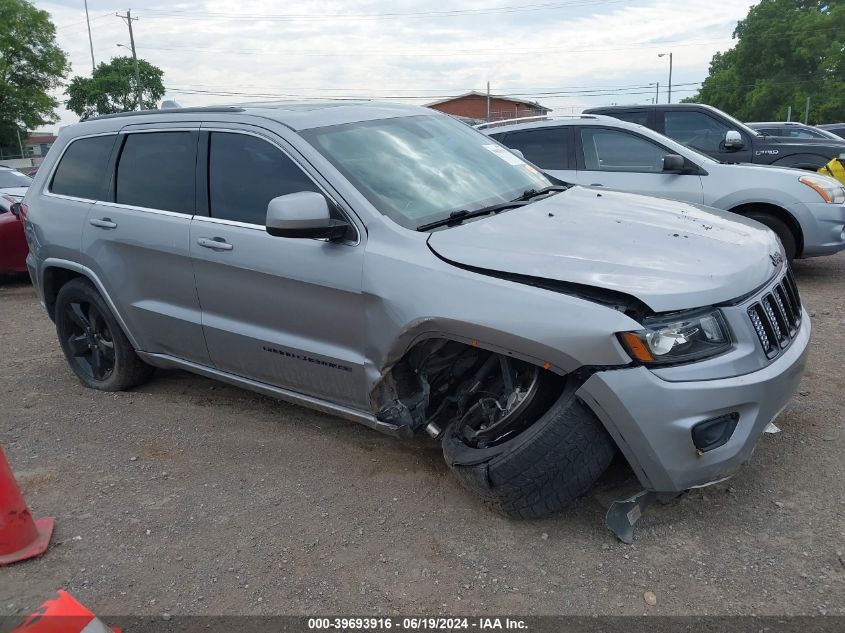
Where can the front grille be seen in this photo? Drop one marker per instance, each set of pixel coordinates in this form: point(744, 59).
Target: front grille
point(776, 316)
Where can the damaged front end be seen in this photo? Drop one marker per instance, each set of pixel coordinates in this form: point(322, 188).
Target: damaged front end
point(439, 382)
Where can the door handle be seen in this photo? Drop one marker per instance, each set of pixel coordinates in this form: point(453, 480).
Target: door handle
point(215, 243)
point(104, 223)
point(596, 184)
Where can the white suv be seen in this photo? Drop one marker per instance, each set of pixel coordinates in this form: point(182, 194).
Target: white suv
point(806, 210)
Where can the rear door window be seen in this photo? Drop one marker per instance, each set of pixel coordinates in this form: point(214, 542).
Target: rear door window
point(245, 173)
point(156, 171)
point(547, 147)
point(617, 150)
point(82, 169)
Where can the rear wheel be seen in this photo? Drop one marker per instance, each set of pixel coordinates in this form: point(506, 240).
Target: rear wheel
point(781, 229)
point(529, 447)
point(94, 345)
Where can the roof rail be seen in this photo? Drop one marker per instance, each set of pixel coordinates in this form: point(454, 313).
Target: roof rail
point(528, 119)
point(117, 115)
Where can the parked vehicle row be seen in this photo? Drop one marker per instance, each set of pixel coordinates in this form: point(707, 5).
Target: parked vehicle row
point(805, 210)
point(722, 137)
point(793, 129)
point(393, 266)
point(13, 186)
point(836, 128)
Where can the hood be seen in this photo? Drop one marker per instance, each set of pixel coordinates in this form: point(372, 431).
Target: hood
point(670, 255)
point(13, 192)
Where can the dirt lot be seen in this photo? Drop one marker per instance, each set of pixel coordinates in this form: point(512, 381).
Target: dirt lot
point(190, 497)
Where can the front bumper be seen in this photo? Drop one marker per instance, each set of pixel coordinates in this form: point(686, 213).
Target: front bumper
point(823, 228)
point(651, 418)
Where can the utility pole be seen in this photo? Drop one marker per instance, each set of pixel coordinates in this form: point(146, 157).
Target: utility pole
point(90, 41)
point(670, 73)
point(129, 19)
point(807, 111)
point(789, 114)
point(20, 143)
point(488, 101)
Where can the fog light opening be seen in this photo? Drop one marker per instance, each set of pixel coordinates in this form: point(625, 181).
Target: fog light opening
point(713, 433)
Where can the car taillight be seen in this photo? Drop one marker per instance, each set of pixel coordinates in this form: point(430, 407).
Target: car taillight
point(19, 210)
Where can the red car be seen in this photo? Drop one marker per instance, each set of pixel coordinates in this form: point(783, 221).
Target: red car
point(13, 249)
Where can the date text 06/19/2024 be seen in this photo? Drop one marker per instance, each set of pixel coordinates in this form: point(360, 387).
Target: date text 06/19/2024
point(417, 624)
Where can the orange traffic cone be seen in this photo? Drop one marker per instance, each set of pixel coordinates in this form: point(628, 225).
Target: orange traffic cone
point(20, 536)
point(63, 614)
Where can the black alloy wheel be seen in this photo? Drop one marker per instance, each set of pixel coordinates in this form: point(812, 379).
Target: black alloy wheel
point(93, 342)
point(89, 339)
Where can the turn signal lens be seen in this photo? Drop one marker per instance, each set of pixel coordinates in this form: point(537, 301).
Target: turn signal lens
point(636, 347)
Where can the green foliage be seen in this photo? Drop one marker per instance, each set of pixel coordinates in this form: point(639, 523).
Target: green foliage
point(786, 51)
point(31, 64)
point(111, 88)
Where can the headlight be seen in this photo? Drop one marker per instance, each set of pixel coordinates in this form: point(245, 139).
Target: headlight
point(678, 338)
point(830, 190)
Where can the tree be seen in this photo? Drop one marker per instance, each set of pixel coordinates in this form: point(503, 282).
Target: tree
point(31, 65)
point(786, 51)
point(111, 88)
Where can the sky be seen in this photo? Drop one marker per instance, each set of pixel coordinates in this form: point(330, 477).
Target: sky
point(566, 54)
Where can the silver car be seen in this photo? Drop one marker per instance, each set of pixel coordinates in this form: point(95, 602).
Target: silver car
point(393, 266)
point(806, 210)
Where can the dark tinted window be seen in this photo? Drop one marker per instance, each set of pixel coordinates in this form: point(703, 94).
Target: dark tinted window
point(614, 150)
point(800, 132)
point(640, 117)
point(772, 131)
point(156, 170)
point(245, 173)
point(546, 147)
point(82, 168)
point(696, 129)
point(839, 131)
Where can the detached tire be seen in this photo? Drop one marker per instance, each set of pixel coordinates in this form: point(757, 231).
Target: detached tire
point(93, 342)
point(540, 471)
point(784, 233)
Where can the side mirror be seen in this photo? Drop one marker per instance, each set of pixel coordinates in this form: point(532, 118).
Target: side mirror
point(303, 215)
point(673, 163)
point(15, 208)
point(733, 139)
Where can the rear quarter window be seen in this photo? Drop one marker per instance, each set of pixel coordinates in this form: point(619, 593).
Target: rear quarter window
point(640, 117)
point(82, 168)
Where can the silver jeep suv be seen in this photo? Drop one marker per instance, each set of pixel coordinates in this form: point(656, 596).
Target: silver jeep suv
point(393, 266)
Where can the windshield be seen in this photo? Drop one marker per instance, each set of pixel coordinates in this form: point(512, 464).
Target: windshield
point(12, 178)
point(420, 169)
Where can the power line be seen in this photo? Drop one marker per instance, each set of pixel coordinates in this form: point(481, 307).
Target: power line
point(529, 8)
point(78, 22)
point(620, 91)
point(598, 92)
point(422, 53)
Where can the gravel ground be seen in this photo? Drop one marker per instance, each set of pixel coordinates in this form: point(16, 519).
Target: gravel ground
point(187, 496)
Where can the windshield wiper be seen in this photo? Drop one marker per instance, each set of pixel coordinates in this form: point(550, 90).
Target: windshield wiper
point(533, 193)
point(457, 217)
